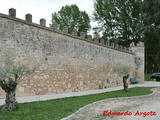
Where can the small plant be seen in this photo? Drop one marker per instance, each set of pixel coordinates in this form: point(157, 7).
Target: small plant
point(147, 77)
point(100, 87)
point(121, 70)
point(10, 76)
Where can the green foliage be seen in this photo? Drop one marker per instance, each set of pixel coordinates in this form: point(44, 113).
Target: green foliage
point(59, 108)
point(121, 69)
point(119, 21)
point(11, 73)
point(126, 21)
point(152, 35)
point(73, 18)
point(100, 87)
point(147, 77)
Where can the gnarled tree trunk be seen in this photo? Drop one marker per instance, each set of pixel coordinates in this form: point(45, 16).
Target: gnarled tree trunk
point(125, 84)
point(10, 101)
point(10, 75)
point(9, 87)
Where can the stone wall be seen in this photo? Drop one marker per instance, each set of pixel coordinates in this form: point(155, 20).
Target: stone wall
point(138, 50)
point(65, 62)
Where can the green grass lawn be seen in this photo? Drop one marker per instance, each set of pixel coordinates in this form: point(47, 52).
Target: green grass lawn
point(59, 108)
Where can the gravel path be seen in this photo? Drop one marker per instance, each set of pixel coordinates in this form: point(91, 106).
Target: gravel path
point(145, 103)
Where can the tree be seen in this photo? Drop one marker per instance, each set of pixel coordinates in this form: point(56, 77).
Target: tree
point(123, 71)
point(73, 18)
point(10, 75)
point(125, 84)
point(151, 13)
point(119, 21)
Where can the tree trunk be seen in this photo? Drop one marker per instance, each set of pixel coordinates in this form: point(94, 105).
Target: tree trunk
point(10, 101)
point(125, 84)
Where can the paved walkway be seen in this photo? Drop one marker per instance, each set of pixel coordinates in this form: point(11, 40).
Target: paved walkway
point(145, 103)
point(81, 93)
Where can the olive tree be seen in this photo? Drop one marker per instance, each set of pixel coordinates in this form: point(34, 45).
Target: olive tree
point(11, 74)
point(123, 71)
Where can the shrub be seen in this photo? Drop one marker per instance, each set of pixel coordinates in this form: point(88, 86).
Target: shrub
point(147, 77)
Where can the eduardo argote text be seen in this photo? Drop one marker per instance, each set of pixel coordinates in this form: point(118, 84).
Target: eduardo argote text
point(127, 113)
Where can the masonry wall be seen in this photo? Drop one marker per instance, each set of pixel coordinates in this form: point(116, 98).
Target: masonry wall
point(65, 63)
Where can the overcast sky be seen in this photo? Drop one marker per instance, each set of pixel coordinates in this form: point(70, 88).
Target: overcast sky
point(42, 8)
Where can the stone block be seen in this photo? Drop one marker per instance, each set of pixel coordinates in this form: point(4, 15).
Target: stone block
point(12, 12)
point(65, 29)
point(55, 27)
point(121, 48)
point(140, 44)
point(132, 44)
point(125, 49)
point(96, 40)
point(82, 35)
point(117, 46)
point(112, 45)
point(107, 43)
point(89, 37)
point(102, 42)
point(74, 32)
point(28, 18)
point(43, 22)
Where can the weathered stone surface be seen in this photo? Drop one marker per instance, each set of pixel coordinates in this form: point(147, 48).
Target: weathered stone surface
point(139, 61)
point(55, 27)
point(117, 46)
point(96, 40)
point(107, 43)
point(102, 42)
point(74, 32)
point(12, 12)
point(29, 18)
point(64, 63)
point(43, 22)
point(65, 29)
point(89, 37)
point(112, 45)
point(82, 35)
